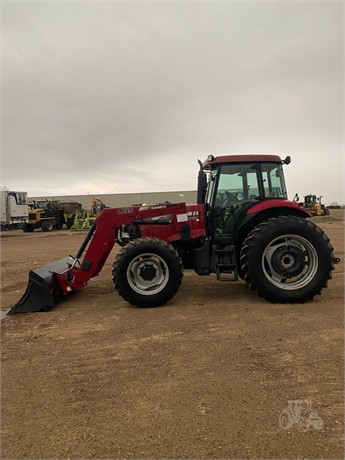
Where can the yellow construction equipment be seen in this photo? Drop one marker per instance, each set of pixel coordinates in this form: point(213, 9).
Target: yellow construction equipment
point(313, 204)
point(47, 214)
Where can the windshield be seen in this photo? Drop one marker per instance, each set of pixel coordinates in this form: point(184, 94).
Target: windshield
point(21, 198)
point(41, 204)
point(247, 182)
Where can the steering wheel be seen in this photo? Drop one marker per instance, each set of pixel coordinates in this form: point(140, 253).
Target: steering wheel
point(230, 197)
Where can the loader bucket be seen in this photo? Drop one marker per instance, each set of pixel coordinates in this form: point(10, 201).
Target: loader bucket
point(43, 291)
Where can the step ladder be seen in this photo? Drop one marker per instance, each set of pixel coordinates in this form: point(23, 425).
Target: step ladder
point(225, 263)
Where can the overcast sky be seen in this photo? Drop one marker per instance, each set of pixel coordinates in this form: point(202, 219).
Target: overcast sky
point(116, 97)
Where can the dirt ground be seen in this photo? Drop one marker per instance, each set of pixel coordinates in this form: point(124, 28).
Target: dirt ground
point(206, 376)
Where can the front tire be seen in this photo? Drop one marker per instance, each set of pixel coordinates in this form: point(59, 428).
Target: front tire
point(303, 425)
point(287, 259)
point(147, 272)
point(47, 226)
point(28, 228)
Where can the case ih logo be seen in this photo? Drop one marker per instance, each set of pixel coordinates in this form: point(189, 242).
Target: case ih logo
point(125, 210)
point(158, 206)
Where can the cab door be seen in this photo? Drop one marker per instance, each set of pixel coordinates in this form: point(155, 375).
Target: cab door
point(237, 187)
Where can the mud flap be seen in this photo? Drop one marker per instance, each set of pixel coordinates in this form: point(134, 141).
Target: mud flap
point(43, 291)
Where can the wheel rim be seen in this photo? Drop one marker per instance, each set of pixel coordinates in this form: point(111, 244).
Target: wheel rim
point(148, 274)
point(290, 262)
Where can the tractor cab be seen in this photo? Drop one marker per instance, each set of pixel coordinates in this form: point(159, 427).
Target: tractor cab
point(310, 200)
point(248, 180)
point(231, 185)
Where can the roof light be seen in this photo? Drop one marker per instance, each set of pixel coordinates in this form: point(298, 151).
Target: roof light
point(210, 158)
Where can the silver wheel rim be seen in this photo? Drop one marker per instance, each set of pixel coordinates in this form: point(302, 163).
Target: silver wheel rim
point(148, 274)
point(290, 262)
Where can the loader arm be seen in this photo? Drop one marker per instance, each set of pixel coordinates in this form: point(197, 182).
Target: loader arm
point(49, 284)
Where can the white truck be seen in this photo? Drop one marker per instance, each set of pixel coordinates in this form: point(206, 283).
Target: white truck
point(13, 209)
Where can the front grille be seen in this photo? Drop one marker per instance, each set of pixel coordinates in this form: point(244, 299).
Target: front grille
point(32, 216)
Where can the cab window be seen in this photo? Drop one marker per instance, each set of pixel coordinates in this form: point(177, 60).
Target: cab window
point(273, 182)
point(237, 183)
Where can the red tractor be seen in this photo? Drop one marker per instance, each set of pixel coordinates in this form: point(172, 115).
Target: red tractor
point(243, 226)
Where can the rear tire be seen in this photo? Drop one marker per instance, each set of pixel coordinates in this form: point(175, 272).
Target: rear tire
point(287, 260)
point(285, 420)
point(47, 226)
point(147, 272)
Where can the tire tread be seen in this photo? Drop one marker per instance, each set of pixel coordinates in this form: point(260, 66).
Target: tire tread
point(252, 240)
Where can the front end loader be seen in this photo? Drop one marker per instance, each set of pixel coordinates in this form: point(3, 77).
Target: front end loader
point(49, 284)
point(242, 227)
